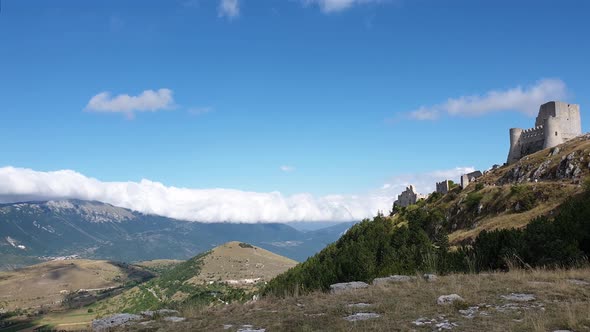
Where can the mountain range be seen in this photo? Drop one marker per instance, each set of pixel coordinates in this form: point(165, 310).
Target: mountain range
point(35, 231)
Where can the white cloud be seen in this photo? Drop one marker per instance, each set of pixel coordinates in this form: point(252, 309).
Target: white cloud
point(287, 168)
point(229, 8)
point(209, 205)
point(332, 6)
point(519, 99)
point(147, 101)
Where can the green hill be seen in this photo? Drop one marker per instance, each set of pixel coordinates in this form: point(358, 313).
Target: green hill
point(233, 271)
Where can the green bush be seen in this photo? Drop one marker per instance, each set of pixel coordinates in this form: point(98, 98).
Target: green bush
point(472, 200)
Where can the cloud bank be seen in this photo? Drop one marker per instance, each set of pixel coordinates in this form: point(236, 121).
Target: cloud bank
point(525, 100)
point(208, 205)
point(147, 101)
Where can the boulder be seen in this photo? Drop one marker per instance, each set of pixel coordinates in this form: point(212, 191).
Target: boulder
point(449, 299)
point(393, 278)
point(347, 286)
point(430, 277)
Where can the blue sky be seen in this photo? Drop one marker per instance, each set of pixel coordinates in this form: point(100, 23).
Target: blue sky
point(327, 91)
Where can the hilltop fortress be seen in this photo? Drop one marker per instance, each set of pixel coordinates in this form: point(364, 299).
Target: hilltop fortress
point(556, 123)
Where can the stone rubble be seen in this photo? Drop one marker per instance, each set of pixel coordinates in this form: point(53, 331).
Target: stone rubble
point(439, 324)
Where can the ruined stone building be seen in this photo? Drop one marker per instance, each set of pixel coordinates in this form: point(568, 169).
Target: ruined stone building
point(408, 197)
point(556, 123)
point(443, 187)
point(466, 179)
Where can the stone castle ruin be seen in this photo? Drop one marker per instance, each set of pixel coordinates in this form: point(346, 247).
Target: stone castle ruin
point(443, 187)
point(556, 123)
point(408, 197)
point(466, 179)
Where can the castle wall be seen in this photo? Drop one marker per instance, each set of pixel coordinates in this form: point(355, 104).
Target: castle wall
point(556, 123)
point(442, 187)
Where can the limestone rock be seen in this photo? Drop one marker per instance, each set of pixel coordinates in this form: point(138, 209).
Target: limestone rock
point(430, 277)
point(362, 316)
point(449, 299)
point(519, 297)
point(393, 278)
point(161, 312)
point(541, 171)
point(107, 323)
point(174, 319)
point(250, 328)
point(359, 305)
point(347, 286)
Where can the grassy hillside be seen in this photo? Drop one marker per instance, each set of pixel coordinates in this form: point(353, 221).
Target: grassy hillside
point(48, 284)
point(158, 266)
point(229, 272)
point(560, 302)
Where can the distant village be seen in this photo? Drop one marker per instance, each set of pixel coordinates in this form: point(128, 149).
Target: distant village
point(556, 123)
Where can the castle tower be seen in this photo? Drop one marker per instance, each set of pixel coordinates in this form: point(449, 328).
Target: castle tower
point(514, 152)
point(556, 123)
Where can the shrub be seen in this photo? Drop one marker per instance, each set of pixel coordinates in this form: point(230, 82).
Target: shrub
point(473, 199)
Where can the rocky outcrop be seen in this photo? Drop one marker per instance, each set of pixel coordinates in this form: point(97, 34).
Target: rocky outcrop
point(108, 323)
point(571, 166)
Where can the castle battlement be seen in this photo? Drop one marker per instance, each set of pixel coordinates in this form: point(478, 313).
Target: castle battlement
point(556, 123)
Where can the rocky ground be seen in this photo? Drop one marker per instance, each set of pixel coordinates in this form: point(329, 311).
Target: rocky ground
point(520, 300)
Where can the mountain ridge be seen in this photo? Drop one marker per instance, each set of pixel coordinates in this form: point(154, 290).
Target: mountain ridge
point(90, 229)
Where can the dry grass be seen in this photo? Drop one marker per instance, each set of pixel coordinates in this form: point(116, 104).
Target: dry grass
point(46, 283)
point(559, 304)
point(497, 206)
point(234, 262)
